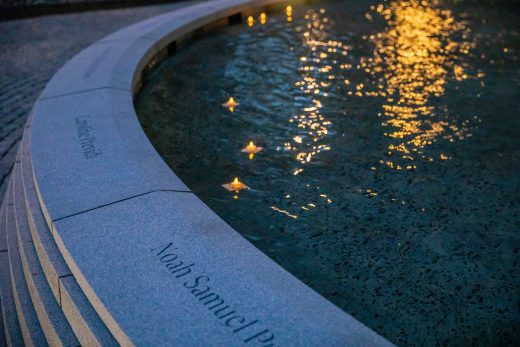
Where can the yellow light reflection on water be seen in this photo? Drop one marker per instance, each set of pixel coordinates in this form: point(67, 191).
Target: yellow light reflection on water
point(263, 18)
point(316, 70)
point(250, 21)
point(289, 12)
point(421, 49)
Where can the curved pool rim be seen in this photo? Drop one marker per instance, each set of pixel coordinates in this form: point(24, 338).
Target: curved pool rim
point(107, 194)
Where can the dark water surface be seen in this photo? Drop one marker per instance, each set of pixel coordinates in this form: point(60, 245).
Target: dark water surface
point(389, 181)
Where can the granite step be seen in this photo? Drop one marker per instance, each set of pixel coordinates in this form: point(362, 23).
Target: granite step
point(3, 342)
point(51, 259)
point(30, 326)
point(52, 320)
point(89, 328)
point(13, 334)
point(11, 326)
point(84, 321)
point(3, 219)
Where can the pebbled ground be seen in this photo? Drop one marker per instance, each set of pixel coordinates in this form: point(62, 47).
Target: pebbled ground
point(33, 49)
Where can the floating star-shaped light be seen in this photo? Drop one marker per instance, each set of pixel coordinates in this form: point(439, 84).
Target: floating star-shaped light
point(236, 185)
point(231, 104)
point(252, 148)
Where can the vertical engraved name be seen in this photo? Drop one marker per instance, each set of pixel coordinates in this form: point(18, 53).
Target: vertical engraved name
point(86, 137)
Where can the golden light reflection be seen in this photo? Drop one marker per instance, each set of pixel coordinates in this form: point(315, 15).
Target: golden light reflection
point(316, 70)
point(421, 49)
point(263, 18)
point(319, 63)
point(250, 21)
point(284, 212)
point(289, 12)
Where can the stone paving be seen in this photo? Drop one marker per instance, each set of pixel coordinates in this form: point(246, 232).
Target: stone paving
point(13, 3)
point(32, 50)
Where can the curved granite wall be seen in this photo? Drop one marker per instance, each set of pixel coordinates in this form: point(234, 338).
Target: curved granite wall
point(102, 244)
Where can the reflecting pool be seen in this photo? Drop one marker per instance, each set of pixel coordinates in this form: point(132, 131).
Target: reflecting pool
point(388, 178)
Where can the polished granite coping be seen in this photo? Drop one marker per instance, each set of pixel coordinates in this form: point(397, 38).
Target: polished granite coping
point(156, 263)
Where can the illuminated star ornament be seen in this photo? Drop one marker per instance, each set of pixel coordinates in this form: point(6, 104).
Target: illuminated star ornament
point(236, 185)
point(231, 104)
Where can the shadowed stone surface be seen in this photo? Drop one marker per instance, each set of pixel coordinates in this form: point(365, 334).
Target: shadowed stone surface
point(31, 330)
point(3, 238)
point(3, 342)
point(173, 25)
point(15, 3)
point(88, 327)
point(11, 327)
point(53, 322)
point(49, 256)
point(108, 155)
point(101, 65)
point(13, 335)
point(161, 285)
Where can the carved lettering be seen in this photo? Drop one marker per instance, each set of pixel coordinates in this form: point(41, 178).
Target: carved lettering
point(250, 332)
point(86, 137)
